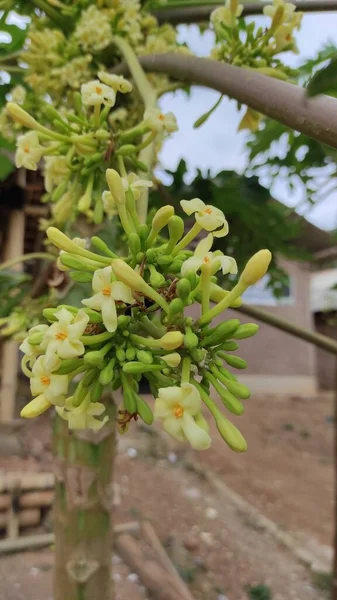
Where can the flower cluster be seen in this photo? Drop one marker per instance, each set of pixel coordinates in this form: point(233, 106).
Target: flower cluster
point(244, 45)
point(136, 324)
point(81, 144)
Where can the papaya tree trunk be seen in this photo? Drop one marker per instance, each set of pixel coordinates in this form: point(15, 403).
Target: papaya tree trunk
point(83, 512)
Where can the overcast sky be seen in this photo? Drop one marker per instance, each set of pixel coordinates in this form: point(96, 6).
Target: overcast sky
point(217, 145)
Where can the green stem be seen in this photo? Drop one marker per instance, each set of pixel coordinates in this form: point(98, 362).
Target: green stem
point(186, 370)
point(53, 14)
point(223, 304)
point(206, 275)
point(24, 257)
point(149, 97)
point(88, 340)
point(206, 399)
point(187, 238)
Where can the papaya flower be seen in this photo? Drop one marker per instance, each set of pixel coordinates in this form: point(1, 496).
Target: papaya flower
point(83, 416)
point(203, 259)
point(95, 93)
point(207, 217)
point(44, 381)
point(29, 151)
point(63, 336)
point(31, 351)
point(158, 121)
point(107, 291)
point(178, 408)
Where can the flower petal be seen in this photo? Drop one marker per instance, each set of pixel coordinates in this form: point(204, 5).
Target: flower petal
point(162, 410)
point(120, 291)
point(197, 437)
point(95, 302)
point(221, 232)
point(109, 314)
point(191, 264)
point(101, 278)
point(192, 206)
point(190, 399)
point(173, 426)
point(228, 264)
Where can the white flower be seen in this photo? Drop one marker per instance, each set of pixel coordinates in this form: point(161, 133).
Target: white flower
point(31, 351)
point(44, 381)
point(135, 184)
point(224, 16)
point(83, 416)
point(109, 204)
point(117, 82)
point(19, 94)
point(207, 216)
point(29, 151)
point(96, 93)
point(157, 121)
point(55, 170)
point(177, 407)
point(107, 292)
point(204, 259)
point(271, 9)
point(63, 336)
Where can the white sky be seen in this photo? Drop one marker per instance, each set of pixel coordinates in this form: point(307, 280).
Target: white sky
point(217, 145)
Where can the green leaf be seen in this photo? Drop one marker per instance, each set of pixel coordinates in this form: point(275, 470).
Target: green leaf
point(6, 167)
point(325, 80)
point(16, 38)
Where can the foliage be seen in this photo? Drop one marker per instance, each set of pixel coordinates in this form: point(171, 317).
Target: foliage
point(260, 592)
point(256, 221)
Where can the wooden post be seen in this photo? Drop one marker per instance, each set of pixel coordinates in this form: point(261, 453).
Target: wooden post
point(10, 349)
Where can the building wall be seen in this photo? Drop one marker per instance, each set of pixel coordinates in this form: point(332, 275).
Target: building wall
point(326, 323)
point(278, 362)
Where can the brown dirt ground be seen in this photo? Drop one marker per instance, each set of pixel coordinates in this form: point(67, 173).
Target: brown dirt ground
point(287, 474)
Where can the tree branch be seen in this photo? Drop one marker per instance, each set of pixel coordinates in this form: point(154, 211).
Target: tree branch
point(194, 14)
point(322, 341)
point(279, 100)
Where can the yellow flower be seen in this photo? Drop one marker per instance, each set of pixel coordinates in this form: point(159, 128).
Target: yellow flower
point(203, 259)
point(44, 381)
point(63, 336)
point(208, 217)
point(95, 93)
point(106, 293)
point(177, 408)
point(32, 351)
point(157, 121)
point(224, 16)
point(29, 151)
point(172, 360)
point(109, 204)
point(83, 416)
point(117, 82)
point(35, 407)
point(135, 184)
point(55, 170)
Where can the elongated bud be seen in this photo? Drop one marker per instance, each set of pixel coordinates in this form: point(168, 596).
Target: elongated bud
point(256, 267)
point(21, 116)
point(80, 276)
point(35, 338)
point(35, 407)
point(228, 347)
point(171, 340)
point(217, 294)
point(144, 410)
point(175, 267)
point(68, 365)
point(130, 353)
point(160, 219)
point(221, 332)
point(235, 361)
point(183, 289)
point(143, 231)
point(78, 263)
point(93, 358)
point(176, 230)
point(116, 187)
point(89, 378)
point(191, 340)
point(164, 260)
point(134, 243)
point(176, 309)
point(123, 321)
point(135, 282)
point(230, 434)
point(230, 401)
point(135, 367)
point(236, 388)
point(107, 373)
point(49, 314)
point(245, 331)
point(60, 240)
point(96, 391)
point(144, 356)
point(120, 355)
point(172, 360)
point(84, 203)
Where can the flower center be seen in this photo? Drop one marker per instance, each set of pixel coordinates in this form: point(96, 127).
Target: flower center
point(106, 291)
point(161, 117)
point(45, 380)
point(26, 150)
point(178, 411)
point(207, 260)
point(98, 90)
point(208, 211)
point(61, 335)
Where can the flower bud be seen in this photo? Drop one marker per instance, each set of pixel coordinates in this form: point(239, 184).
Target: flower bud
point(245, 331)
point(79, 276)
point(230, 434)
point(144, 356)
point(135, 282)
point(107, 373)
point(221, 332)
point(135, 367)
point(35, 407)
point(172, 360)
point(183, 289)
point(35, 338)
point(161, 218)
point(235, 361)
point(116, 187)
point(171, 340)
point(191, 340)
point(60, 240)
point(134, 243)
point(217, 294)
point(21, 116)
point(93, 358)
point(256, 267)
point(176, 230)
point(144, 410)
point(68, 365)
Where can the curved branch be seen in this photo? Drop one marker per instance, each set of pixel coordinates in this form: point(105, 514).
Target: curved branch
point(279, 100)
point(194, 14)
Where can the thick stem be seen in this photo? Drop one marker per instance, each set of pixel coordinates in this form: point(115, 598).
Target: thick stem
point(82, 515)
point(279, 100)
point(53, 14)
point(24, 257)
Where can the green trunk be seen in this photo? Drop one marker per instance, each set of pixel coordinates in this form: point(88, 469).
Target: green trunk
point(82, 512)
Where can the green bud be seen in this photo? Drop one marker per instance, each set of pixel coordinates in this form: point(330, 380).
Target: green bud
point(126, 150)
point(93, 358)
point(238, 389)
point(176, 231)
point(143, 232)
point(78, 263)
point(123, 321)
point(80, 276)
point(160, 219)
point(139, 367)
point(89, 377)
point(120, 355)
point(230, 434)
point(193, 279)
point(107, 373)
point(94, 316)
point(234, 361)
point(80, 394)
point(144, 411)
point(102, 246)
point(229, 400)
point(151, 255)
point(68, 365)
point(226, 373)
point(129, 398)
point(97, 391)
point(191, 340)
point(176, 308)
point(164, 260)
point(198, 354)
point(140, 257)
point(35, 338)
point(229, 346)
point(156, 279)
point(183, 289)
point(175, 267)
point(102, 135)
point(221, 332)
point(134, 243)
point(144, 356)
point(49, 314)
point(245, 331)
point(98, 211)
point(130, 353)
point(59, 190)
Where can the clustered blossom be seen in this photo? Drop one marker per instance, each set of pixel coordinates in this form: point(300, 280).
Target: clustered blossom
point(136, 325)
